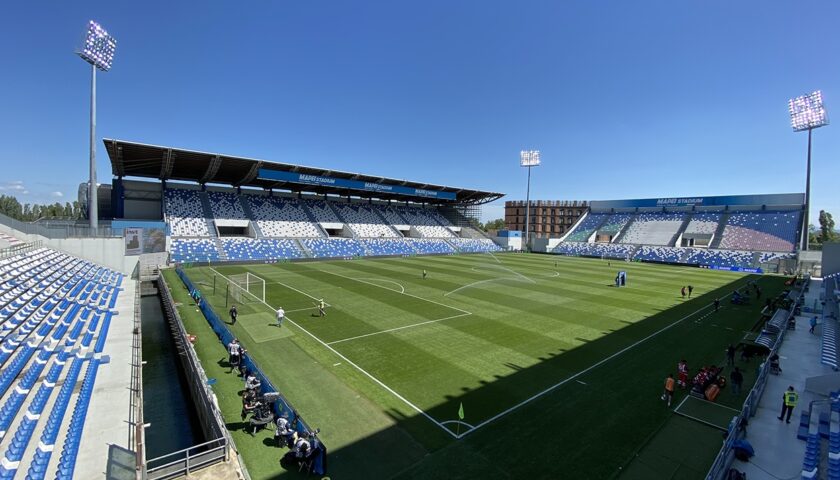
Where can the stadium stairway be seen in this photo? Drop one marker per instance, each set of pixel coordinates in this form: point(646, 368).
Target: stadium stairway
point(718, 235)
point(208, 213)
point(681, 230)
point(219, 248)
point(303, 248)
point(246, 207)
point(381, 216)
point(623, 231)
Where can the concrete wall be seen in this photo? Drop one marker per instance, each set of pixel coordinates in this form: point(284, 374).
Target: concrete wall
point(830, 258)
point(108, 252)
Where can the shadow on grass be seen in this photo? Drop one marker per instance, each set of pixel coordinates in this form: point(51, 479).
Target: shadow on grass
point(589, 419)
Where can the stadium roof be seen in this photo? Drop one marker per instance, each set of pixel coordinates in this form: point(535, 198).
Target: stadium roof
point(131, 159)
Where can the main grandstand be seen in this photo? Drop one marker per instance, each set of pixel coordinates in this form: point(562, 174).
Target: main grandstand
point(263, 211)
point(745, 232)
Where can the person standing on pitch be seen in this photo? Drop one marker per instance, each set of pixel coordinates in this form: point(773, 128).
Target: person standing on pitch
point(668, 394)
point(233, 313)
point(424, 274)
point(682, 292)
point(730, 355)
point(322, 307)
point(737, 379)
point(717, 304)
point(789, 399)
point(281, 314)
point(690, 289)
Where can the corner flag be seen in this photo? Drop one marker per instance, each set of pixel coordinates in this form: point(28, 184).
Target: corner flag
point(461, 411)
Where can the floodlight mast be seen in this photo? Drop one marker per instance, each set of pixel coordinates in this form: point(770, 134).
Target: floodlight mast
point(528, 158)
point(98, 51)
point(807, 113)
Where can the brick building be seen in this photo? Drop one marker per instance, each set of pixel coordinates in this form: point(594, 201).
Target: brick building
point(549, 218)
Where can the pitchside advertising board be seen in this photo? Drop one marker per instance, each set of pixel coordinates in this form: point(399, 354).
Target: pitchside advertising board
point(733, 269)
point(306, 179)
point(150, 238)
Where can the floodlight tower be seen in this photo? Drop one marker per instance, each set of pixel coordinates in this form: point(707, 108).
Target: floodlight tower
point(98, 51)
point(528, 158)
point(807, 113)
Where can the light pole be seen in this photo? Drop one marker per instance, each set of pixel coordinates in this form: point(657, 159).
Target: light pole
point(807, 113)
point(528, 158)
point(98, 51)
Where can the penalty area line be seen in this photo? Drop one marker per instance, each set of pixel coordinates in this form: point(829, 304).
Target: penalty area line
point(361, 370)
point(398, 328)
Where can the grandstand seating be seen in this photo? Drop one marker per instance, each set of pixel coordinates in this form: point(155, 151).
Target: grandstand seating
point(586, 227)
point(761, 230)
point(334, 247)
point(660, 254)
point(226, 205)
point(364, 222)
point(609, 250)
point(194, 250)
point(49, 299)
point(475, 245)
point(376, 246)
point(321, 211)
point(614, 223)
point(430, 224)
point(430, 246)
point(185, 214)
point(704, 223)
point(241, 249)
point(282, 217)
point(653, 228)
point(721, 258)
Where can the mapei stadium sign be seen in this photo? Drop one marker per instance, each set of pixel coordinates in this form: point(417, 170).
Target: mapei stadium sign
point(306, 179)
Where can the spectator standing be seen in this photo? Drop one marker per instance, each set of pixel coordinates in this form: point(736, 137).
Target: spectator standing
point(233, 313)
point(682, 372)
point(789, 399)
point(730, 355)
point(668, 394)
point(234, 354)
point(737, 378)
point(281, 314)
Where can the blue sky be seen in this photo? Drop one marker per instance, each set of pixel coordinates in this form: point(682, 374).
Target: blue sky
point(624, 99)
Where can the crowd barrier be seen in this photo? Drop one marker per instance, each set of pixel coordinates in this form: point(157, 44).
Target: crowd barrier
point(282, 405)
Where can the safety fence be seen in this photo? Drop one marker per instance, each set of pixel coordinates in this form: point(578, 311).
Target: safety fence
point(281, 406)
point(184, 462)
point(58, 229)
point(18, 249)
point(735, 430)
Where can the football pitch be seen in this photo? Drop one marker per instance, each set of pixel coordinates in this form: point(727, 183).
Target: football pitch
point(554, 368)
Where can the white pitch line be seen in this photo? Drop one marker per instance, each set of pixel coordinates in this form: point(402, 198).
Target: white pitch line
point(402, 289)
point(581, 382)
point(457, 421)
point(398, 328)
point(480, 282)
point(386, 288)
point(578, 374)
point(360, 369)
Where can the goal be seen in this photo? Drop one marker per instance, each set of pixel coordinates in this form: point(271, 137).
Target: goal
point(245, 288)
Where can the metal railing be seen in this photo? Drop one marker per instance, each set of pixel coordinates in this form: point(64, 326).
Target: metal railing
point(18, 249)
point(137, 431)
point(183, 462)
point(57, 230)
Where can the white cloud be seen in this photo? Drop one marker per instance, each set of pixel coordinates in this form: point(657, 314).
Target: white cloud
point(57, 194)
point(13, 186)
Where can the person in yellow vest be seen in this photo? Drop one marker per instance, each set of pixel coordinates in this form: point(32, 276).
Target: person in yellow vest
point(668, 394)
point(789, 399)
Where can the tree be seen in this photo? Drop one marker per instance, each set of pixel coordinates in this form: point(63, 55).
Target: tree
point(498, 224)
point(826, 227)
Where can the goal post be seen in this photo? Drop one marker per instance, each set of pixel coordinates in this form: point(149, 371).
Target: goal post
point(245, 288)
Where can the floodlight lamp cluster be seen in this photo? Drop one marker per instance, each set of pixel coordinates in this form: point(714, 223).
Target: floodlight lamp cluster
point(807, 112)
point(99, 47)
point(529, 158)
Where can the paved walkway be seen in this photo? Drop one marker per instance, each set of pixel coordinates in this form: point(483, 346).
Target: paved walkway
point(778, 453)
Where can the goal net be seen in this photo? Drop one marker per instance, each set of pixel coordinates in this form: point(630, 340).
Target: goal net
point(246, 288)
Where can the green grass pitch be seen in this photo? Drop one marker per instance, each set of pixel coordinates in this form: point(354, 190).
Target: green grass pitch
point(559, 372)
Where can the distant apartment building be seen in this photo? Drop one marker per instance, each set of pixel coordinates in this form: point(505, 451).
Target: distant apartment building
point(549, 218)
